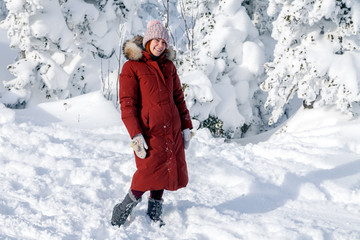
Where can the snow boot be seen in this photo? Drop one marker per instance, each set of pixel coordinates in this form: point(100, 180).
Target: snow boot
point(122, 210)
point(155, 210)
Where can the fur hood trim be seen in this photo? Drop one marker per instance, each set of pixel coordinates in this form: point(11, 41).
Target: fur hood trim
point(133, 49)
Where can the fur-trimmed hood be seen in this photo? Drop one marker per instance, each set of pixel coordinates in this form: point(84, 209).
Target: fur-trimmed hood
point(133, 49)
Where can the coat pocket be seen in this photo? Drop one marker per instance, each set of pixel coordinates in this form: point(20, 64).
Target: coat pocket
point(145, 120)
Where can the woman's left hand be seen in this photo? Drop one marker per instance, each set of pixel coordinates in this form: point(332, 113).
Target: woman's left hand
point(187, 137)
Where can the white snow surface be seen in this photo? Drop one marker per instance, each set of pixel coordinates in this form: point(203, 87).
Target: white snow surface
point(65, 164)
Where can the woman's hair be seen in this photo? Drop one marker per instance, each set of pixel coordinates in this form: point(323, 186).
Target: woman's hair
point(147, 46)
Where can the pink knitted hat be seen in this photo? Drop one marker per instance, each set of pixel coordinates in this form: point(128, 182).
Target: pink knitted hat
point(155, 29)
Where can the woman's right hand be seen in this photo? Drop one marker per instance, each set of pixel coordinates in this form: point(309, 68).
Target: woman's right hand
point(139, 145)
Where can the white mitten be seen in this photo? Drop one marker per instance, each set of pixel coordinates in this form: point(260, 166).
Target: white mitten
point(139, 145)
point(186, 136)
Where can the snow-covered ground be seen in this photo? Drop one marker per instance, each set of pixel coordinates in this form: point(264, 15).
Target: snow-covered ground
point(65, 164)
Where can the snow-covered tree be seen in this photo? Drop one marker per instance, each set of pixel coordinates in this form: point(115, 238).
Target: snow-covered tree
point(219, 53)
point(62, 45)
point(317, 56)
point(220, 75)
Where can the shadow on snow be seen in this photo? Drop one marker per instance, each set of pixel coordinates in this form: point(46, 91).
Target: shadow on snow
point(265, 197)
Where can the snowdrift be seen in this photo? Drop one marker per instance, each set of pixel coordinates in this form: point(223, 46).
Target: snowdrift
point(65, 164)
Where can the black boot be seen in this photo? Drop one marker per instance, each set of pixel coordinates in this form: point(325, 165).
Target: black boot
point(123, 210)
point(155, 210)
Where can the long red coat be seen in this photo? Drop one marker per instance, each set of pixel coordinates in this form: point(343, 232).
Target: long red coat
point(152, 103)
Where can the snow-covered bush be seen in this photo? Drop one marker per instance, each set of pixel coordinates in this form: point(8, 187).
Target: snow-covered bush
point(317, 56)
point(65, 47)
point(221, 72)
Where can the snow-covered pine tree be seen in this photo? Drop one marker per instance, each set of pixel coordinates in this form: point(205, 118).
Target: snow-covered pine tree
point(317, 55)
point(62, 45)
point(220, 74)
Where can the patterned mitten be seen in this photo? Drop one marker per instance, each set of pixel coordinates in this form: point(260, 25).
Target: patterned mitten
point(139, 145)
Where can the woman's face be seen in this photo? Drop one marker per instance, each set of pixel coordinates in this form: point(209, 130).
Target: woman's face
point(157, 46)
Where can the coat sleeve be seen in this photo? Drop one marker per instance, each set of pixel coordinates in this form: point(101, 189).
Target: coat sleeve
point(129, 96)
point(180, 102)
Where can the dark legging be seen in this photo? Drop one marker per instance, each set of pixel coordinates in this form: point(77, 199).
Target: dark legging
point(154, 194)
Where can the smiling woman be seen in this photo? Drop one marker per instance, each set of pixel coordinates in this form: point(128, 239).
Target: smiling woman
point(154, 112)
point(156, 46)
point(156, 38)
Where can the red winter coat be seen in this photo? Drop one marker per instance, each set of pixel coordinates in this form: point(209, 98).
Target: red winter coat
point(152, 103)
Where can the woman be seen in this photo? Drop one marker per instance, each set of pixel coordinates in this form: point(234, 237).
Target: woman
point(157, 119)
